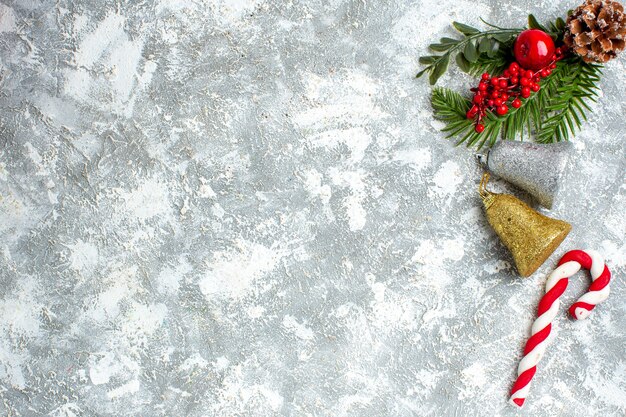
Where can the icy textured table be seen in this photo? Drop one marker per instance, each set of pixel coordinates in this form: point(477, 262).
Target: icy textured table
point(245, 208)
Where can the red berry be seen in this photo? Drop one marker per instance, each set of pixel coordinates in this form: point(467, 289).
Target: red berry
point(504, 97)
point(514, 67)
point(517, 103)
point(478, 98)
point(559, 51)
point(503, 84)
point(506, 73)
point(525, 92)
point(494, 81)
point(514, 80)
point(485, 76)
point(495, 94)
point(480, 128)
point(553, 66)
point(502, 110)
point(535, 87)
point(498, 102)
point(533, 49)
point(529, 74)
point(548, 71)
point(490, 103)
point(543, 73)
point(524, 82)
point(482, 87)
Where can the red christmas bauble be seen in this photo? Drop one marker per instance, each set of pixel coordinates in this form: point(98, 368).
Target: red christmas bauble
point(534, 49)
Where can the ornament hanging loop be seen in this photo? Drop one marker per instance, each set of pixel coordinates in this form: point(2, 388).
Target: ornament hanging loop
point(486, 195)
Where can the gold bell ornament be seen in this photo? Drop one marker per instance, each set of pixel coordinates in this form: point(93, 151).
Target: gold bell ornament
point(530, 236)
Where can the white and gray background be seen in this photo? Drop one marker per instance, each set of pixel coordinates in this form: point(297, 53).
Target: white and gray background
point(245, 208)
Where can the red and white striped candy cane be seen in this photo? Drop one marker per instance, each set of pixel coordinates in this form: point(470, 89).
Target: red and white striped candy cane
point(548, 308)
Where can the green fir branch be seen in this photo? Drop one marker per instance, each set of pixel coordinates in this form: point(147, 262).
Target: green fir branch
point(494, 65)
point(552, 113)
point(567, 107)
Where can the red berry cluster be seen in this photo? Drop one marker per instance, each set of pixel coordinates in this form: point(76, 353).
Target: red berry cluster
point(493, 93)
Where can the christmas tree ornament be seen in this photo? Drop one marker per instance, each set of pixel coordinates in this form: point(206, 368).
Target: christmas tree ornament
point(596, 30)
point(544, 92)
point(548, 308)
point(533, 167)
point(530, 236)
point(533, 49)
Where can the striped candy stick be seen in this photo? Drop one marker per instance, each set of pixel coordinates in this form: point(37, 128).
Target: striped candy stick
point(548, 308)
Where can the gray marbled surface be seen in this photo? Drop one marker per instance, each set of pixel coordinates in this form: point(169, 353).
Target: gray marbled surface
point(245, 208)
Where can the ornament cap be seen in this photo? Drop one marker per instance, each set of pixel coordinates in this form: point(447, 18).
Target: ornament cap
point(482, 159)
